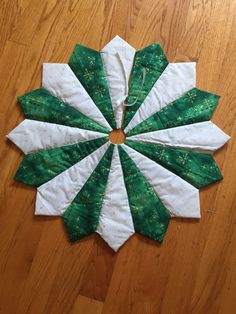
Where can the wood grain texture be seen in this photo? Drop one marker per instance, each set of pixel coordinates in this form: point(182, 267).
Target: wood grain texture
point(194, 270)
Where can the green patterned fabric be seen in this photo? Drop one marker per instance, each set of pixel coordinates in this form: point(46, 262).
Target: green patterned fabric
point(43, 106)
point(42, 166)
point(82, 216)
point(199, 169)
point(194, 106)
point(87, 65)
point(150, 217)
point(153, 61)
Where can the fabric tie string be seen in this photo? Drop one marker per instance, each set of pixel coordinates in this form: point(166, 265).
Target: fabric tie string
point(121, 100)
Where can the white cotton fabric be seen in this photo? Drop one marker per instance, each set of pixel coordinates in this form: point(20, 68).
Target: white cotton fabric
point(176, 80)
point(31, 135)
point(177, 195)
point(203, 137)
point(56, 195)
point(60, 80)
point(115, 222)
point(118, 57)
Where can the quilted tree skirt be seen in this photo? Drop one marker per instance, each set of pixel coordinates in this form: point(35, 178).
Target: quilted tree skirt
point(118, 189)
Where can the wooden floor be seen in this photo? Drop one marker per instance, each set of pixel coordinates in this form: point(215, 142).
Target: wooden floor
point(194, 270)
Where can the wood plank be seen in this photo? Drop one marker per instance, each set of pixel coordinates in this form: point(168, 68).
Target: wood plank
point(96, 283)
point(87, 305)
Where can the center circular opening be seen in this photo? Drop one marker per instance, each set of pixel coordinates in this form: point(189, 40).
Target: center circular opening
point(117, 136)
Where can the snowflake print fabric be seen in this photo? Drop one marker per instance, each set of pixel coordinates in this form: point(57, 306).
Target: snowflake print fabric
point(118, 189)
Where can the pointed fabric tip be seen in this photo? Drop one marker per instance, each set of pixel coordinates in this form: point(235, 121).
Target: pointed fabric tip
point(115, 44)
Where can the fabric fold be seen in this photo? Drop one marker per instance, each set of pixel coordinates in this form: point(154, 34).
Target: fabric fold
point(194, 106)
point(150, 217)
point(31, 135)
point(176, 80)
point(178, 196)
point(87, 65)
point(202, 137)
point(81, 218)
point(118, 58)
point(60, 81)
point(42, 166)
point(41, 105)
point(115, 222)
point(198, 169)
point(55, 196)
point(149, 64)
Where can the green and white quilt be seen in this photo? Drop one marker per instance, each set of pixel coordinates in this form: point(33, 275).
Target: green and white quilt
point(118, 189)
